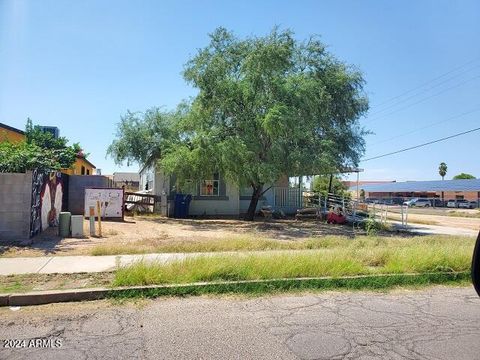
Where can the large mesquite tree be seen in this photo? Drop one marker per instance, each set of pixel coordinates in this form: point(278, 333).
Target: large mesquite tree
point(266, 107)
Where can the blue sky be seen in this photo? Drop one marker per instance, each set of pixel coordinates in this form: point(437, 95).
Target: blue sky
point(80, 65)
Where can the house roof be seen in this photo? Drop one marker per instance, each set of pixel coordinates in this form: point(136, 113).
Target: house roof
point(126, 176)
point(88, 162)
point(7, 127)
point(424, 186)
point(353, 183)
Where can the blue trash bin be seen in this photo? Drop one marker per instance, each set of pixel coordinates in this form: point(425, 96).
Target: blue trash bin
point(177, 210)
point(187, 201)
point(182, 204)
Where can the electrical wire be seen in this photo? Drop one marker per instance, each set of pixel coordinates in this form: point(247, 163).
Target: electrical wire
point(422, 100)
point(427, 126)
point(404, 100)
point(427, 82)
point(421, 145)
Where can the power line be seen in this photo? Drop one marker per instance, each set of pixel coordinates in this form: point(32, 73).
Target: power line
point(427, 82)
point(427, 126)
point(422, 100)
point(421, 145)
point(390, 106)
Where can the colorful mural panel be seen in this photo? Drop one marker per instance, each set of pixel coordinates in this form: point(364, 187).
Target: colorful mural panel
point(47, 195)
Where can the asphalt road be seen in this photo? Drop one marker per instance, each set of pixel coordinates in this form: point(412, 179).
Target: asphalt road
point(440, 323)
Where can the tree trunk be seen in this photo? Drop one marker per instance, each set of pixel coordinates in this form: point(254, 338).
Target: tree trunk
point(330, 184)
point(257, 192)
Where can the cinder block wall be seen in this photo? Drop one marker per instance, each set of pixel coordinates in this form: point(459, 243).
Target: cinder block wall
point(76, 190)
point(15, 206)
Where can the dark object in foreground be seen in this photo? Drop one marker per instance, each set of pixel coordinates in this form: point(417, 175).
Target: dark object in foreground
point(476, 265)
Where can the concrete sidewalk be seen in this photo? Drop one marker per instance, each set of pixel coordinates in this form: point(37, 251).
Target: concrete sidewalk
point(93, 264)
point(80, 264)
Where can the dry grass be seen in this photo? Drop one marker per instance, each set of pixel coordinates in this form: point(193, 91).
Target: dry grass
point(231, 243)
point(474, 215)
point(355, 257)
point(256, 243)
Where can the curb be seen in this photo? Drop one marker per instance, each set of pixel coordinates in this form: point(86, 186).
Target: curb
point(380, 281)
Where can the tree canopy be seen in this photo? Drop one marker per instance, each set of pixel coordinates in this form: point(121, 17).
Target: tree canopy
point(41, 151)
point(146, 137)
point(23, 156)
point(321, 184)
point(266, 107)
point(463, 176)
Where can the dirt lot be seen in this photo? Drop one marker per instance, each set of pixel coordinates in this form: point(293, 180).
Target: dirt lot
point(159, 229)
point(40, 282)
point(153, 230)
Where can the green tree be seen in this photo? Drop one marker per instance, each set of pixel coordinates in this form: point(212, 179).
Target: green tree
point(269, 106)
point(40, 151)
point(266, 107)
point(79, 151)
point(321, 184)
point(463, 176)
point(442, 170)
point(20, 157)
point(362, 194)
point(63, 156)
point(145, 137)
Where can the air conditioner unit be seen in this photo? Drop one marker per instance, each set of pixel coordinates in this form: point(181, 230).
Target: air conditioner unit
point(55, 131)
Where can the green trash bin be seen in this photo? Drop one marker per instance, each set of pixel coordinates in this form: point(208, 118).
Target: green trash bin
point(64, 224)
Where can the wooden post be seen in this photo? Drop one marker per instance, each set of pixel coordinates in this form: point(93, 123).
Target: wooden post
point(92, 220)
point(406, 215)
point(358, 193)
point(99, 219)
point(123, 203)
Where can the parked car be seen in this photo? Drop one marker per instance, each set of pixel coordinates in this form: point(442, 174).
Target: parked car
point(438, 202)
point(371, 201)
point(452, 203)
point(386, 202)
point(465, 204)
point(474, 204)
point(422, 203)
point(397, 200)
point(410, 202)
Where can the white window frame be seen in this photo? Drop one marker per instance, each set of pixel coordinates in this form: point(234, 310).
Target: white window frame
point(213, 182)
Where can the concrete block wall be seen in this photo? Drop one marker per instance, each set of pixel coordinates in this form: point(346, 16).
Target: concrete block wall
point(76, 190)
point(15, 205)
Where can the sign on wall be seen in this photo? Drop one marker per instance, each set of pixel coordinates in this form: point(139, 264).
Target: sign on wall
point(111, 202)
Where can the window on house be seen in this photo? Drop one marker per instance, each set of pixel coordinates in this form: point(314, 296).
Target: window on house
point(88, 171)
point(83, 170)
point(210, 187)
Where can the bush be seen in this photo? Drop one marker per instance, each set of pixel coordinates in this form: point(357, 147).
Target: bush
point(17, 158)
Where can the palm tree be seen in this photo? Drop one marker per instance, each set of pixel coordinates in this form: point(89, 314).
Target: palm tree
point(442, 169)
